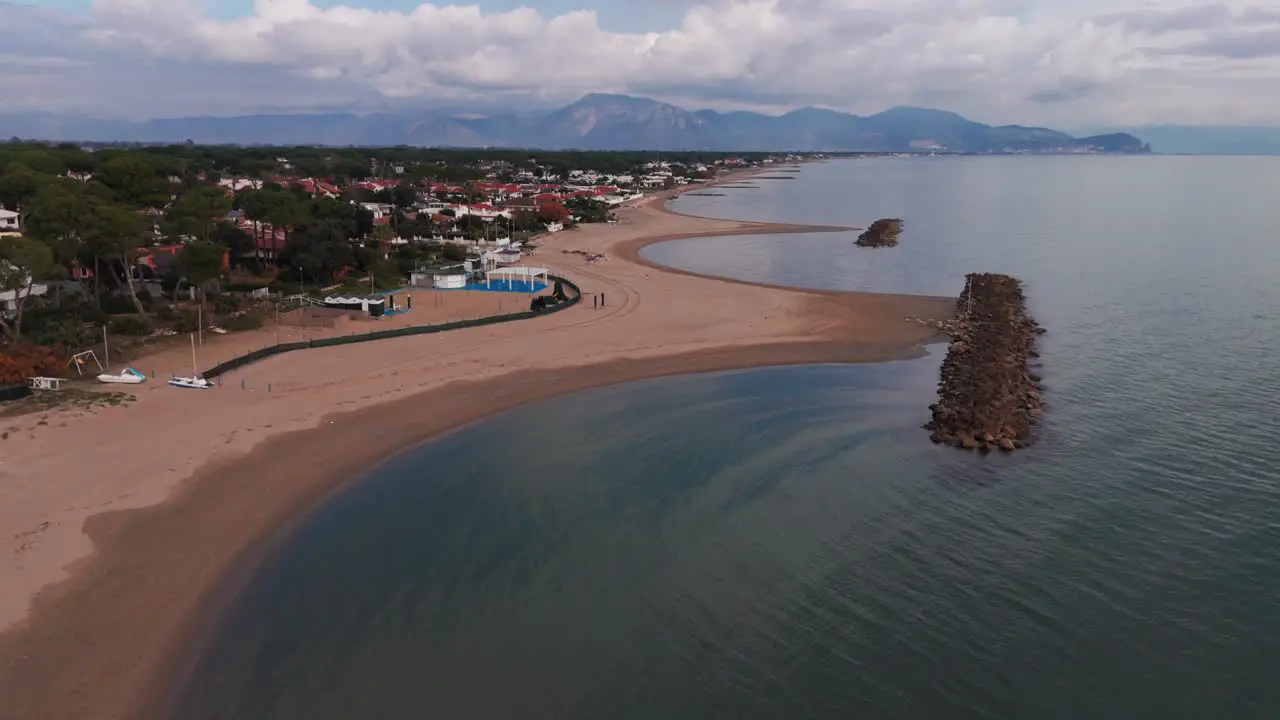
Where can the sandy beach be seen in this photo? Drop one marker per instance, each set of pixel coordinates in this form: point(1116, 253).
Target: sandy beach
point(123, 530)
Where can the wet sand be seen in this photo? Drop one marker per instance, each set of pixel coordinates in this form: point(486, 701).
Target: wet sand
point(124, 530)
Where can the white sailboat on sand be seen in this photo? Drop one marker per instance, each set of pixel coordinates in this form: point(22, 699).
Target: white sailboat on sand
point(195, 382)
point(127, 376)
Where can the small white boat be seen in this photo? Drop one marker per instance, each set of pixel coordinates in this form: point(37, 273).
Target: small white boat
point(195, 382)
point(128, 376)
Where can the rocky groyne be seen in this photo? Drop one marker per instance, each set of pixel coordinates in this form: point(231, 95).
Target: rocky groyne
point(988, 398)
point(882, 233)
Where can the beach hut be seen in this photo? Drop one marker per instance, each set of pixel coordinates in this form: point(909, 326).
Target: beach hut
point(372, 305)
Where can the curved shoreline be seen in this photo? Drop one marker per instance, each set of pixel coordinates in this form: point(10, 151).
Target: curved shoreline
point(115, 637)
point(190, 642)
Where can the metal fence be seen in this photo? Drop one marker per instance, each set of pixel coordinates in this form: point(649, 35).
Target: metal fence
point(575, 296)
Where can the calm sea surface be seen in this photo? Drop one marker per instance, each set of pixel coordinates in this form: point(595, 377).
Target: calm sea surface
point(785, 543)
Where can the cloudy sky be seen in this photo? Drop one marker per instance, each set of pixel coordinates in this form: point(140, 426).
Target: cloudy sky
point(1064, 63)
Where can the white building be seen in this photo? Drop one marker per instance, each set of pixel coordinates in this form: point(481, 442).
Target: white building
point(9, 298)
point(448, 277)
point(620, 198)
point(507, 256)
point(8, 221)
point(238, 184)
point(657, 179)
point(379, 210)
point(480, 210)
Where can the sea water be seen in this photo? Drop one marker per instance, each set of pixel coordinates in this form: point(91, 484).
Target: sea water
point(786, 543)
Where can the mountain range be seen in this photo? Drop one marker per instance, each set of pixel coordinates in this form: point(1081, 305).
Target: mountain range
point(594, 122)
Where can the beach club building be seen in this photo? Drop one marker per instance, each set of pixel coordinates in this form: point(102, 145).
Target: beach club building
point(444, 277)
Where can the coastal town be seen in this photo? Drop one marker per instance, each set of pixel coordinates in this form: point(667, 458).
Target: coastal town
point(145, 243)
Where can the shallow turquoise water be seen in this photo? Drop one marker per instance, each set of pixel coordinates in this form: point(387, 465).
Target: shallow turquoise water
point(786, 543)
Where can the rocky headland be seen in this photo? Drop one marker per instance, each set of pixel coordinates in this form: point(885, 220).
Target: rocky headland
point(988, 398)
point(882, 233)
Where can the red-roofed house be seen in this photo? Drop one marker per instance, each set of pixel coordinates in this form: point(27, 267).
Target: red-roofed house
point(268, 239)
point(153, 262)
point(314, 188)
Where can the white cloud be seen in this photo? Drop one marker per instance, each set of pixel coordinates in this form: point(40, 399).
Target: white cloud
point(1025, 61)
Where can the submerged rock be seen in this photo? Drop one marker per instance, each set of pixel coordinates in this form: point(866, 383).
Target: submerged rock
point(882, 233)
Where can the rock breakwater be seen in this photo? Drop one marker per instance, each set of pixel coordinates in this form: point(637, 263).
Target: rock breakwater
point(882, 233)
point(988, 398)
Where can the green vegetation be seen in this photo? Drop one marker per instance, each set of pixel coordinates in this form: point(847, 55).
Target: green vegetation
point(587, 210)
point(140, 239)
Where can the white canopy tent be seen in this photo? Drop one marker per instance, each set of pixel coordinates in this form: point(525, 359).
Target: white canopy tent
point(519, 272)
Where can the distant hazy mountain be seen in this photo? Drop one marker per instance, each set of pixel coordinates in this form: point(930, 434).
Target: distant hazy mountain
point(1209, 139)
point(595, 122)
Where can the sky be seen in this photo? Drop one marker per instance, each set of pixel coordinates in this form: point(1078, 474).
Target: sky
point(1059, 63)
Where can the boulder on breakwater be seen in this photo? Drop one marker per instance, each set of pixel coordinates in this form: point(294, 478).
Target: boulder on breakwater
point(882, 233)
point(988, 398)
